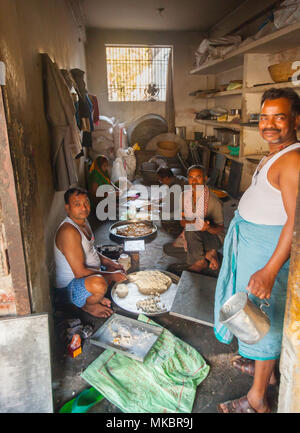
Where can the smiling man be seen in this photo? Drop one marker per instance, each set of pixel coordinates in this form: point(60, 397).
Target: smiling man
point(258, 244)
point(79, 278)
point(203, 227)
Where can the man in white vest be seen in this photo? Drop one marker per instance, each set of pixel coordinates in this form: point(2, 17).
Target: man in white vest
point(79, 278)
point(258, 245)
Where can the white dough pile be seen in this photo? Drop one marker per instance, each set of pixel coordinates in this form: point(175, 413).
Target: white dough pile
point(150, 282)
point(122, 290)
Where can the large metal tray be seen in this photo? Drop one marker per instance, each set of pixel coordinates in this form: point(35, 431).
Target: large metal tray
point(142, 336)
point(129, 302)
point(115, 226)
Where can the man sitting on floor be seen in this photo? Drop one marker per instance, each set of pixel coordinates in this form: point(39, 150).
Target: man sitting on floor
point(79, 278)
point(203, 223)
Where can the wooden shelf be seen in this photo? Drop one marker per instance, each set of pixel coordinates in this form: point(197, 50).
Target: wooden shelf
point(215, 123)
point(264, 87)
point(220, 94)
point(285, 38)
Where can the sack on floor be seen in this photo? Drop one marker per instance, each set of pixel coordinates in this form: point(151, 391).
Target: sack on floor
point(165, 382)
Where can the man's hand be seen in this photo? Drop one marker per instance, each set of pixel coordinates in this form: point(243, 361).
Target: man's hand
point(206, 226)
point(261, 283)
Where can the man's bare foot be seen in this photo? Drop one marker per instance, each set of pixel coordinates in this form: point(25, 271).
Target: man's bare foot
point(247, 366)
point(212, 257)
point(98, 310)
point(260, 406)
point(198, 266)
point(106, 302)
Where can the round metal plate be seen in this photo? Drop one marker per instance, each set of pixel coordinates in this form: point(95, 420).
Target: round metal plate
point(115, 226)
point(129, 303)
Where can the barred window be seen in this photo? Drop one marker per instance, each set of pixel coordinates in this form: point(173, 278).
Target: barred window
point(137, 73)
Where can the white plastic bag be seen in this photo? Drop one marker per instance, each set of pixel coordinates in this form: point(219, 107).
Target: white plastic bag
point(288, 13)
point(118, 170)
point(129, 161)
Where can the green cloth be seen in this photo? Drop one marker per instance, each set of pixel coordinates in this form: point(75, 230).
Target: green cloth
point(165, 382)
point(95, 177)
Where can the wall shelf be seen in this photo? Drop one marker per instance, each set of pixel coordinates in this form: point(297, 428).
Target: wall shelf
point(215, 123)
point(285, 38)
point(263, 88)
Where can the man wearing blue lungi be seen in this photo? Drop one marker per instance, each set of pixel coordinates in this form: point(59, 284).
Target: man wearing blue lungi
point(258, 244)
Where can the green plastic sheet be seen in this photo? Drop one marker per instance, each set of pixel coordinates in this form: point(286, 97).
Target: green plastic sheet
point(165, 382)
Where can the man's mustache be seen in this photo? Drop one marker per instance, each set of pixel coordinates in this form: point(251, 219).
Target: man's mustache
point(271, 130)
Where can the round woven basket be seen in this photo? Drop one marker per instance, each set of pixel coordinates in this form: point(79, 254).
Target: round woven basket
point(282, 72)
point(167, 148)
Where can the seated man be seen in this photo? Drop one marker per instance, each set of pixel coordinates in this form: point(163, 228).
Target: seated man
point(203, 223)
point(166, 177)
point(79, 278)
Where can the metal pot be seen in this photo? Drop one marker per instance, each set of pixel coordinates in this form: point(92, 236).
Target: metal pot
point(234, 139)
point(244, 319)
point(181, 131)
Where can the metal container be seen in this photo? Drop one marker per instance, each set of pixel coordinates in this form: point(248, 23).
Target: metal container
point(181, 131)
point(115, 226)
point(234, 139)
point(139, 336)
point(244, 319)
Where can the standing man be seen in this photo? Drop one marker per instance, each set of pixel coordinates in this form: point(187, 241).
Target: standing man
point(79, 278)
point(258, 244)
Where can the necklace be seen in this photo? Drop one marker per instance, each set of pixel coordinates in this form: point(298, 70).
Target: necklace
point(260, 166)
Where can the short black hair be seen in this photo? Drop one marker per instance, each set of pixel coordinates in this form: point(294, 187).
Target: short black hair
point(164, 172)
point(284, 92)
point(77, 190)
point(197, 167)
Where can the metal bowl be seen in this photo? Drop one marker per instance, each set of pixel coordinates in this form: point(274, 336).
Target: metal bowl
point(115, 226)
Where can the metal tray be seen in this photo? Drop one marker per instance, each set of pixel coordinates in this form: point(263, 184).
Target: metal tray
point(113, 229)
point(129, 302)
point(142, 336)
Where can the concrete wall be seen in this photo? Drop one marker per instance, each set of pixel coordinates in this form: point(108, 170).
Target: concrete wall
point(184, 43)
point(28, 28)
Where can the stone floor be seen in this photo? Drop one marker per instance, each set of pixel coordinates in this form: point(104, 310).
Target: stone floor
point(223, 382)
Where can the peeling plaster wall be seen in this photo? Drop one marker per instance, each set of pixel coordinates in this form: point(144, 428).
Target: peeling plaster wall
point(28, 28)
point(184, 45)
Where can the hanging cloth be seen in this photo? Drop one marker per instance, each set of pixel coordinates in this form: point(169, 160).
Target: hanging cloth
point(60, 113)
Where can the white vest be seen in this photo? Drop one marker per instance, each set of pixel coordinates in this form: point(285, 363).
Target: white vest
point(262, 203)
point(64, 273)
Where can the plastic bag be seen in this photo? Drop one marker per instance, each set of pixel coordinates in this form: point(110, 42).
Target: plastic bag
point(165, 382)
point(129, 161)
point(207, 48)
point(118, 170)
point(288, 13)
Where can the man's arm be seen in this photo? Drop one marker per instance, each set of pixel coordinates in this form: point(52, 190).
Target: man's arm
point(215, 224)
point(261, 283)
point(68, 242)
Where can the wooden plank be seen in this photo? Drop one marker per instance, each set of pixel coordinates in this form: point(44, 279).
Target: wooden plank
point(25, 367)
point(194, 299)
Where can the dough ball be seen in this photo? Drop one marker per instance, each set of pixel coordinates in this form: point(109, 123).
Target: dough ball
point(122, 290)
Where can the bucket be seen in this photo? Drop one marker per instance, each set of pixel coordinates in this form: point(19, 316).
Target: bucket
point(244, 319)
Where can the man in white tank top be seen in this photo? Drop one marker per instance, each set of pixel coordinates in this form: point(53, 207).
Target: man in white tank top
point(267, 206)
point(78, 274)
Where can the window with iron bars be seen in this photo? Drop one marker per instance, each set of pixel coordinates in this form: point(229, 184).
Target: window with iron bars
point(137, 73)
